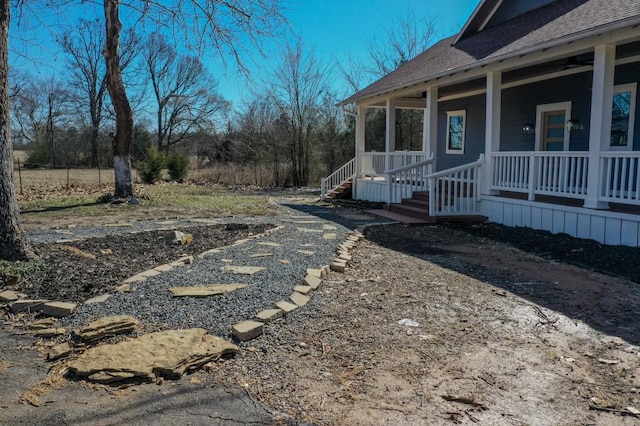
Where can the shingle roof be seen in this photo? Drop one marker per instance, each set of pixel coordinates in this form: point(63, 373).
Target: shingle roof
point(539, 27)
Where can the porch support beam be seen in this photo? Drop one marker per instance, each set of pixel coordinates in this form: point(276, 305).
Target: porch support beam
point(492, 127)
point(390, 134)
point(600, 123)
point(430, 129)
point(361, 119)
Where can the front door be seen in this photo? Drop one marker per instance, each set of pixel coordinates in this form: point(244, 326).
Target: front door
point(551, 134)
point(553, 123)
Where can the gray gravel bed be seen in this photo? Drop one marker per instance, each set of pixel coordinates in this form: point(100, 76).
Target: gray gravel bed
point(304, 240)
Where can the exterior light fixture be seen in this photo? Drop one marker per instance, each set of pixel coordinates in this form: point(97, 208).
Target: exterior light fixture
point(573, 125)
point(528, 129)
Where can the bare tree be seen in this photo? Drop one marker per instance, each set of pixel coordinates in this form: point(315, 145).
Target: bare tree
point(297, 88)
point(40, 109)
point(229, 27)
point(184, 92)
point(83, 47)
point(404, 40)
point(13, 243)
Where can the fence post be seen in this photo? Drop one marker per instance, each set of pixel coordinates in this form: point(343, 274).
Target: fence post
point(67, 176)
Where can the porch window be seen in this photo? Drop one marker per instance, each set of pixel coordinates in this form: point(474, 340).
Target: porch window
point(622, 116)
point(455, 131)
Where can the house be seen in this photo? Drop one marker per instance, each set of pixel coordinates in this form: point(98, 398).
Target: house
point(530, 119)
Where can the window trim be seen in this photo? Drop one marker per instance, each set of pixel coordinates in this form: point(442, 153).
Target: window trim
point(621, 88)
point(463, 113)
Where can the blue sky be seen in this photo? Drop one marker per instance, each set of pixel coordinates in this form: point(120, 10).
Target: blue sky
point(335, 29)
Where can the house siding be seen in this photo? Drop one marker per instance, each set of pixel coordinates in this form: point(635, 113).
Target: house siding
point(519, 107)
point(474, 131)
point(512, 8)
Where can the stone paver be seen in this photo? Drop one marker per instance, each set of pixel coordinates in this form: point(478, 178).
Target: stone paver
point(304, 289)
point(269, 315)
point(247, 330)
point(59, 309)
point(286, 307)
point(299, 299)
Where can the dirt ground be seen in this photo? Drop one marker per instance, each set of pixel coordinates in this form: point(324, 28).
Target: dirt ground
point(504, 337)
point(496, 331)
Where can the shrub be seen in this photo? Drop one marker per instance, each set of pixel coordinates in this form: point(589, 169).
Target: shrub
point(178, 166)
point(150, 169)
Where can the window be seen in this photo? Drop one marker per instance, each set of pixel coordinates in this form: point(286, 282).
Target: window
point(455, 131)
point(622, 117)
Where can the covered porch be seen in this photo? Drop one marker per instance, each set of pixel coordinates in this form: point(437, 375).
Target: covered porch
point(545, 140)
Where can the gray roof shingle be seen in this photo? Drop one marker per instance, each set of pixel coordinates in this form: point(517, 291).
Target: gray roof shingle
point(553, 22)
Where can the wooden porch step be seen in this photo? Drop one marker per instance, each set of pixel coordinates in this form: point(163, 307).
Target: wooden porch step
point(414, 202)
point(413, 211)
point(397, 217)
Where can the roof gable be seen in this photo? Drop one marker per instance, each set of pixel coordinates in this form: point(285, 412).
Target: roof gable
point(493, 12)
point(558, 22)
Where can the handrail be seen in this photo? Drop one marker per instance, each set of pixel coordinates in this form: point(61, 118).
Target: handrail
point(410, 166)
point(456, 169)
point(406, 179)
point(337, 178)
point(455, 191)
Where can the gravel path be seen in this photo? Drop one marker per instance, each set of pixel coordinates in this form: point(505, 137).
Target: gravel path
point(307, 236)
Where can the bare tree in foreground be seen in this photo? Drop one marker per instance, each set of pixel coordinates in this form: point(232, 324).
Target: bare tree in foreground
point(229, 27)
point(13, 243)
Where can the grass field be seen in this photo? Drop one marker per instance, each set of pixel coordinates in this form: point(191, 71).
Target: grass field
point(51, 196)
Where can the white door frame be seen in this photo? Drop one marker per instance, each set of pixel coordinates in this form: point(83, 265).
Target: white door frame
point(540, 110)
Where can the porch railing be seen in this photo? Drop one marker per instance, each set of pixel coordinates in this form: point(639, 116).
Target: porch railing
point(620, 176)
point(403, 181)
point(456, 191)
point(335, 179)
point(562, 174)
point(375, 163)
point(452, 192)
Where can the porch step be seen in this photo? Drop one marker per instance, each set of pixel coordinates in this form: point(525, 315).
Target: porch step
point(342, 191)
point(413, 202)
point(397, 217)
point(407, 210)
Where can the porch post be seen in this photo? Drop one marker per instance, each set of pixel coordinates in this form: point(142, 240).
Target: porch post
point(492, 128)
point(359, 148)
point(390, 134)
point(600, 123)
point(430, 129)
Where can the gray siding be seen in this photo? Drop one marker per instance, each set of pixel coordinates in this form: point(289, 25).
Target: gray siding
point(519, 107)
point(509, 9)
point(474, 131)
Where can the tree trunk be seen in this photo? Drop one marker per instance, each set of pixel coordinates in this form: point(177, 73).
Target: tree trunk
point(13, 243)
point(124, 115)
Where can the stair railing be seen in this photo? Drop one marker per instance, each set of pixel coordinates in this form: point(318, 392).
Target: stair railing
point(403, 181)
point(456, 191)
point(337, 178)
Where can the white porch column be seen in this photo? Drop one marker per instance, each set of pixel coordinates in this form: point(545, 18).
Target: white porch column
point(492, 127)
point(390, 134)
point(359, 149)
point(430, 128)
point(600, 127)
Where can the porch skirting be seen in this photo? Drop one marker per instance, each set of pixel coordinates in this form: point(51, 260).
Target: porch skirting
point(600, 225)
point(376, 190)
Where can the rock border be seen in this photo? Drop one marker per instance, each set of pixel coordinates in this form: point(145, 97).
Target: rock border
point(254, 327)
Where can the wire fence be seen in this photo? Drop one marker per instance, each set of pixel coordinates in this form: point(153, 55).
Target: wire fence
point(41, 175)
